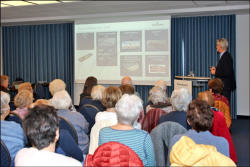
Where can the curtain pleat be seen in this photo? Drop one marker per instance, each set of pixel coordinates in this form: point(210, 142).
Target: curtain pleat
point(39, 53)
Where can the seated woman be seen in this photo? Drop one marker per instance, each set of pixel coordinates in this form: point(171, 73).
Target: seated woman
point(62, 101)
point(42, 129)
point(200, 118)
point(4, 83)
point(22, 101)
point(128, 109)
point(25, 86)
point(85, 95)
point(216, 87)
point(219, 127)
point(107, 118)
point(159, 100)
point(180, 99)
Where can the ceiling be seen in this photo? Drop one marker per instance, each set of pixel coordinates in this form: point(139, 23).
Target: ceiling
point(62, 12)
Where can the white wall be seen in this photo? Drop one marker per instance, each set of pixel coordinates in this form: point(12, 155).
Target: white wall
point(242, 64)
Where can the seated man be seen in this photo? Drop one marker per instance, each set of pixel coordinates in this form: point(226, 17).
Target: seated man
point(42, 129)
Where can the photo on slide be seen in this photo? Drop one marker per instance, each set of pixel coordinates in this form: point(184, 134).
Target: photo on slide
point(131, 65)
point(106, 52)
point(85, 41)
point(157, 65)
point(156, 40)
point(130, 41)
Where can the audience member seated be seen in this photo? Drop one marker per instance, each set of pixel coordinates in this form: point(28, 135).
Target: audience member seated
point(4, 83)
point(128, 81)
point(25, 86)
point(128, 109)
point(107, 118)
point(62, 101)
point(127, 89)
point(216, 86)
point(41, 127)
point(85, 97)
point(180, 99)
point(159, 100)
point(200, 118)
point(219, 127)
point(22, 101)
point(11, 132)
point(187, 153)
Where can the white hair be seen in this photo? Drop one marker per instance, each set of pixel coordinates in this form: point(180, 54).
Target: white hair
point(157, 95)
point(97, 91)
point(162, 84)
point(61, 100)
point(223, 43)
point(180, 99)
point(5, 99)
point(56, 85)
point(128, 109)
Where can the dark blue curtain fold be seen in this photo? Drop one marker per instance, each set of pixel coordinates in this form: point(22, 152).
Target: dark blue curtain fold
point(39, 53)
point(193, 48)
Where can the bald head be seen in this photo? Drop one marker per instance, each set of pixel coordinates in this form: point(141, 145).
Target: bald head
point(126, 81)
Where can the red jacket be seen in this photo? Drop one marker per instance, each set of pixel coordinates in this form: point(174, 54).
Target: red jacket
point(219, 128)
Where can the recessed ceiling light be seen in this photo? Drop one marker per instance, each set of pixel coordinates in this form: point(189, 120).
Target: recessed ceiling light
point(16, 3)
point(43, 2)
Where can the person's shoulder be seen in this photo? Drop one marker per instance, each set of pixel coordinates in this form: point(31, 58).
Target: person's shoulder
point(66, 161)
point(11, 124)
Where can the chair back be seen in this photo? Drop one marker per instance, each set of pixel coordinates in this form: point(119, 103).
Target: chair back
point(161, 136)
point(5, 155)
point(113, 154)
point(151, 119)
point(89, 112)
point(65, 124)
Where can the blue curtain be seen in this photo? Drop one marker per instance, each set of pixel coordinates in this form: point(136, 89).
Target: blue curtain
point(193, 48)
point(39, 53)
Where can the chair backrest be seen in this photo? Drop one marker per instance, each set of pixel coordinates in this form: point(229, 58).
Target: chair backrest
point(221, 102)
point(113, 154)
point(89, 112)
point(14, 117)
point(5, 155)
point(161, 136)
point(65, 124)
point(151, 119)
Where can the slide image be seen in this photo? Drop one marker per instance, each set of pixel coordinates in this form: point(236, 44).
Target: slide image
point(106, 53)
point(85, 57)
point(157, 65)
point(130, 65)
point(130, 41)
point(156, 40)
point(85, 41)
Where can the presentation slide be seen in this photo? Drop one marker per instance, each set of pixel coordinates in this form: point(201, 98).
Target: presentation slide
point(110, 51)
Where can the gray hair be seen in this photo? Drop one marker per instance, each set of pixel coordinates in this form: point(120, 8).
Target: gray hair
point(61, 100)
point(223, 43)
point(180, 99)
point(128, 109)
point(96, 92)
point(157, 95)
point(56, 85)
point(162, 84)
point(5, 99)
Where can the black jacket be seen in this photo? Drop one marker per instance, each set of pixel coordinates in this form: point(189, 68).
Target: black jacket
point(225, 71)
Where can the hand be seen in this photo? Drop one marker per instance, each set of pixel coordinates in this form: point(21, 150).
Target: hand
point(212, 70)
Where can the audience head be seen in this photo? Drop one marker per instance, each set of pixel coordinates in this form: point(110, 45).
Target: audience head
point(23, 99)
point(157, 95)
point(126, 81)
point(199, 115)
point(162, 84)
point(25, 86)
point(180, 99)
point(221, 45)
point(206, 96)
point(216, 85)
point(4, 81)
point(61, 100)
point(127, 89)
point(56, 85)
point(5, 108)
point(39, 102)
point(97, 91)
point(88, 85)
point(128, 109)
point(41, 126)
point(110, 96)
